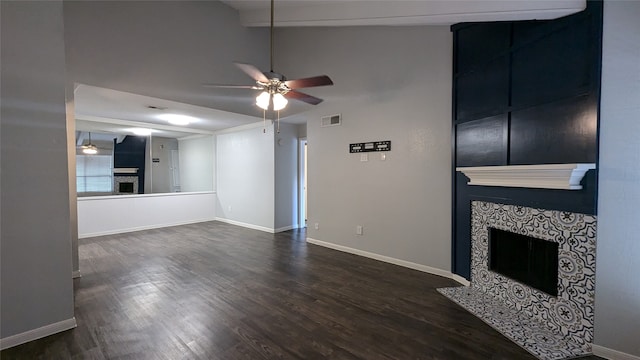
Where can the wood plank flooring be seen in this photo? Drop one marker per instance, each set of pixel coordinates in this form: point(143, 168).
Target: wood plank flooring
point(218, 291)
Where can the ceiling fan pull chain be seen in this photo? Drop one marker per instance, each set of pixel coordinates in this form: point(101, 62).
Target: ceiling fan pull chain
point(264, 121)
point(278, 121)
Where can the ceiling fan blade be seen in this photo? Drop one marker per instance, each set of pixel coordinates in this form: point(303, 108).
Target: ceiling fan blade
point(303, 97)
point(252, 71)
point(254, 87)
point(322, 80)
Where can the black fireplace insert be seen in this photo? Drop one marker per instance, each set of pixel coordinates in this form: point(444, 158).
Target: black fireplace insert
point(125, 187)
point(526, 259)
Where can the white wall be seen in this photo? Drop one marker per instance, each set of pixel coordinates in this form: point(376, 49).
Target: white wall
point(245, 176)
point(390, 84)
point(36, 262)
point(286, 175)
point(103, 215)
point(617, 313)
point(197, 163)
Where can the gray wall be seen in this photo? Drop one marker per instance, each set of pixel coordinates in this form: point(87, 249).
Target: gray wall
point(245, 176)
point(153, 48)
point(394, 85)
point(161, 175)
point(197, 163)
point(36, 262)
point(617, 322)
point(286, 173)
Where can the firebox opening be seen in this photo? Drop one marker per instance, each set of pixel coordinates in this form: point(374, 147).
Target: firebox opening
point(526, 259)
point(125, 187)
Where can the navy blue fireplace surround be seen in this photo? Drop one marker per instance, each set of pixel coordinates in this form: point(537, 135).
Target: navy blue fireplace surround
point(524, 92)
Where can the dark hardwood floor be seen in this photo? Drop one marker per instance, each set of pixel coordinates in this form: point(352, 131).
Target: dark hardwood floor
point(218, 291)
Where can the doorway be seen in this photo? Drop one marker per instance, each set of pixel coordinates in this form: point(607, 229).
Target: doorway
point(302, 183)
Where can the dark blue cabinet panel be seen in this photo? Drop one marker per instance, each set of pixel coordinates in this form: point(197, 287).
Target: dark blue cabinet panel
point(479, 45)
point(484, 91)
point(482, 142)
point(554, 67)
point(131, 153)
point(558, 132)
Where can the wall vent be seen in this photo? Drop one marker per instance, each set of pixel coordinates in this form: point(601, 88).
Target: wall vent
point(331, 120)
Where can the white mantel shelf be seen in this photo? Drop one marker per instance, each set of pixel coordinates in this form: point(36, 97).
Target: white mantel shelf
point(544, 176)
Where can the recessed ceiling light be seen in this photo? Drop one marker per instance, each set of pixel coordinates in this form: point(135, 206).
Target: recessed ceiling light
point(141, 131)
point(177, 119)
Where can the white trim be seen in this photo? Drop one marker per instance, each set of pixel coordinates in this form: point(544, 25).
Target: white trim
point(193, 137)
point(460, 279)
point(125, 170)
point(385, 13)
point(109, 197)
point(390, 260)
point(76, 274)
point(543, 176)
point(38, 333)
point(285, 228)
point(139, 228)
point(247, 225)
point(612, 354)
point(242, 127)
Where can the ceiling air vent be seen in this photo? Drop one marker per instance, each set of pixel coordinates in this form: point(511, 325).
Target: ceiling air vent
point(331, 120)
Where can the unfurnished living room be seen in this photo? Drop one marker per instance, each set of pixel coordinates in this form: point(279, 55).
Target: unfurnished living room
point(301, 179)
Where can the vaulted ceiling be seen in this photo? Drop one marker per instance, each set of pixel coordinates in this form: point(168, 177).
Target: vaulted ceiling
point(167, 50)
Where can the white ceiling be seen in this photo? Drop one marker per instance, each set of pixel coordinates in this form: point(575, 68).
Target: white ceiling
point(398, 12)
point(119, 111)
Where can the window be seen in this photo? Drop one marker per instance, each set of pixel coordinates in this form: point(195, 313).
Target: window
point(94, 173)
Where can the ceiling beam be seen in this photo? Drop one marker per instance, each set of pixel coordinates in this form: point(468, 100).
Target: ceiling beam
point(416, 12)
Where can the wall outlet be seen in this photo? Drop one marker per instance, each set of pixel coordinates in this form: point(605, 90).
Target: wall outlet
point(317, 226)
point(359, 230)
point(364, 157)
point(229, 208)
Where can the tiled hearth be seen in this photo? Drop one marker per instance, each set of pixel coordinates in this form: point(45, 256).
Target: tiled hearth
point(548, 327)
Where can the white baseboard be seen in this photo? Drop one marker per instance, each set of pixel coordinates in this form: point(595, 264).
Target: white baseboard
point(286, 228)
point(247, 225)
point(76, 274)
point(38, 333)
point(139, 228)
point(460, 279)
point(387, 259)
point(612, 354)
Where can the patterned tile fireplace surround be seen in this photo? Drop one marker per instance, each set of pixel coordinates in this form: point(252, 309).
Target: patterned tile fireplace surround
point(546, 326)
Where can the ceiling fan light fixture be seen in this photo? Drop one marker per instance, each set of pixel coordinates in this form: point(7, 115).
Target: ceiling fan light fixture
point(279, 102)
point(263, 100)
point(274, 85)
point(90, 149)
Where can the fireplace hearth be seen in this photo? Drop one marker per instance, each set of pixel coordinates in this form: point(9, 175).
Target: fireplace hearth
point(549, 326)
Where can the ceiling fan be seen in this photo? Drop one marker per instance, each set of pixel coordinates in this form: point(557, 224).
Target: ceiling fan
point(276, 89)
point(89, 148)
